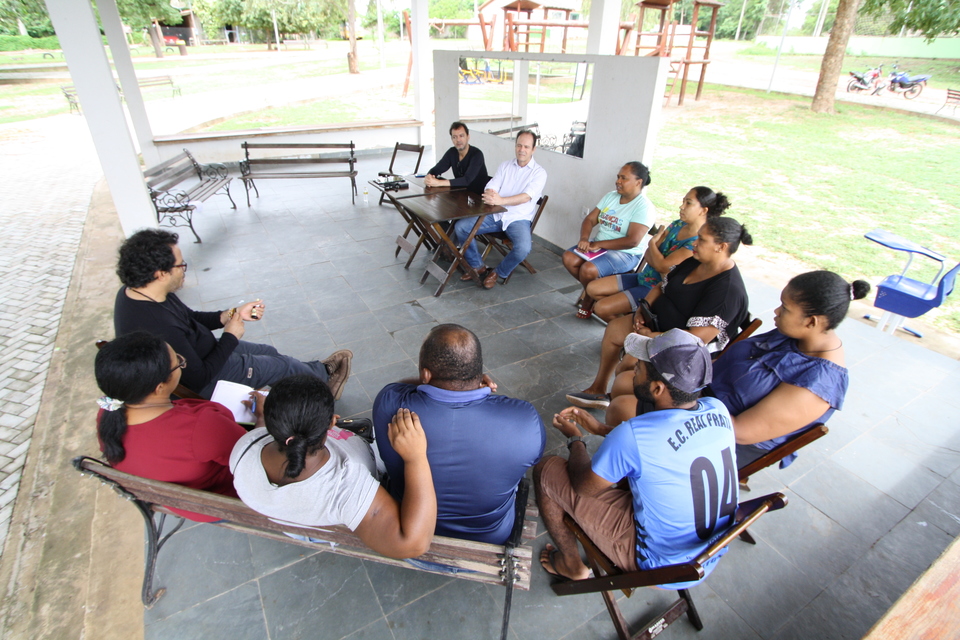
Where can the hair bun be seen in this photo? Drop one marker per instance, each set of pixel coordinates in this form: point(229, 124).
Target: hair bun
point(860, 289)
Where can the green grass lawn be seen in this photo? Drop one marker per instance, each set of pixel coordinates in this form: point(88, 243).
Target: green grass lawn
point(369, 106)
point(811, 185)
point(945, 72)
point(20, 102)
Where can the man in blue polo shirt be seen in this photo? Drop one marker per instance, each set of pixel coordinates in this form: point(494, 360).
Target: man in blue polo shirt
point(679, 459)
point(479, 445)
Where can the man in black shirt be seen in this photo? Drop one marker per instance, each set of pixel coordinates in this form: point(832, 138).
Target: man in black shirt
point(469, 169)
point(151, 268)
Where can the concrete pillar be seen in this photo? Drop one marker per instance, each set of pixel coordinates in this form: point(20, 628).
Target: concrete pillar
point(604, 27)
point(521, 92)
point(110, 18)
point(422, 67)
point(79, 35)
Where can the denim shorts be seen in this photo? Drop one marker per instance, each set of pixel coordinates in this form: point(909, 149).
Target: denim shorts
point(629, 283)
point(613, 262)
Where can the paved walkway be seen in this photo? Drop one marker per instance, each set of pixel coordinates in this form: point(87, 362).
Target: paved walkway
point(45, 193)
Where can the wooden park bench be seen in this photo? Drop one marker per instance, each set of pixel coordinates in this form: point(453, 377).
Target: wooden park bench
point(159, 81)
point(175, 205)
point(70, 91)
point(302, 165)
point(953, 99)
point(507, 565)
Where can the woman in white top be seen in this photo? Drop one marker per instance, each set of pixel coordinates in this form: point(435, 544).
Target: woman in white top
point(301, 469)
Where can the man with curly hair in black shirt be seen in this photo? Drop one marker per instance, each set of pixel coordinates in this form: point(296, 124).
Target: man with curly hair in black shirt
point(151, 268)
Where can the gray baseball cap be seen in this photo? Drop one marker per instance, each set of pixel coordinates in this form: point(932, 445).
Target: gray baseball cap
point(679, 356)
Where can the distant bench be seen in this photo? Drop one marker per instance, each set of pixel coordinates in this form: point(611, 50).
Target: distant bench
point(302, 165)
point(507, 565)
point(159, 81)
point(306, 44)
point(70, 91)
point(175, 205)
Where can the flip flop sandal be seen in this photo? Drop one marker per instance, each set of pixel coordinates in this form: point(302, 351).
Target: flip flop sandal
point(584, 314)
point(551, 559)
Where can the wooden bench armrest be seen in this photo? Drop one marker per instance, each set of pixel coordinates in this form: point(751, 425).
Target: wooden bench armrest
point(778, 453)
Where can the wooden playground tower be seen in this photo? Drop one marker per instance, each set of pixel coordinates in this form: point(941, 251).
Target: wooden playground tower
point(691, 45)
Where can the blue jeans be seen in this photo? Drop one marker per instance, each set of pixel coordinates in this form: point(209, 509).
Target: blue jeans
point(257, 365)
point(518, 232)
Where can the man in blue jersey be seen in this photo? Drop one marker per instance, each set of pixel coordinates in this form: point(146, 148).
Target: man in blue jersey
point(679, 461)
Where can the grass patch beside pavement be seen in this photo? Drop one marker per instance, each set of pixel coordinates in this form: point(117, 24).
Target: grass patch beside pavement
point(811, 185)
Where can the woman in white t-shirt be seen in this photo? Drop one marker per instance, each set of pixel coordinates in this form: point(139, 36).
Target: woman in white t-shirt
point(301, 469)
point(624, 216)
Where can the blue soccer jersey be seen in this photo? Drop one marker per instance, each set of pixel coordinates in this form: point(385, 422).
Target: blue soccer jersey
point(682, 469)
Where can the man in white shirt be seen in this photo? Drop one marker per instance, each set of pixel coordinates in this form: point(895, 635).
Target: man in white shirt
point(516, 186)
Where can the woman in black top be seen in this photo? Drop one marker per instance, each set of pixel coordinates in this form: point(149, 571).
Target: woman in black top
point(704, 295)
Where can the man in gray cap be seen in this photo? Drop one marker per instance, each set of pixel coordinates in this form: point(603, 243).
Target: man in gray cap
point(679, 460)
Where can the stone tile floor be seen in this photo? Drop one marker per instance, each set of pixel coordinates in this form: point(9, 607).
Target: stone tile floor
point(871, 505)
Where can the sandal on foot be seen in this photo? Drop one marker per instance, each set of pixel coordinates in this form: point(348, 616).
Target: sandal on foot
point(584, 314)
point(548, 562)
point(586, 400)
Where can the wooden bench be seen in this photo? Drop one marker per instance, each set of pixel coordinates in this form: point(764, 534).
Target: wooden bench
point(175, 206)
point(70, 91)
point(275, 167)
point(159, 81)
point(507, 565)
point(953, 99)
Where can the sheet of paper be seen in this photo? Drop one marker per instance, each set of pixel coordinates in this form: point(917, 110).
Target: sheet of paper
point(231, 395)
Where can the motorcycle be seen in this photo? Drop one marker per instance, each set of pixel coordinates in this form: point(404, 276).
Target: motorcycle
point(868, 80)
point(909, 86)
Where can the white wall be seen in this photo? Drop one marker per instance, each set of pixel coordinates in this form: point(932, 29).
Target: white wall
point(623, 121)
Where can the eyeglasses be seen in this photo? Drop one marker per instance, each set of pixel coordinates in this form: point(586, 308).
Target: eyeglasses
point(180, 266)
point(181, 363)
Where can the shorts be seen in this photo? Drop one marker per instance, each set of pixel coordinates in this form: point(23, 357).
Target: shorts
point(629, 283)
point(613, 262)
point(606, 518)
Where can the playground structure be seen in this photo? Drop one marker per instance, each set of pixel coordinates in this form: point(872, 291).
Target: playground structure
point(520, 26)
point(692, 45)
point(684, 44)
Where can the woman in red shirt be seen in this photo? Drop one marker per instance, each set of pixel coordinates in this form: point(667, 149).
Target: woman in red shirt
point(143, 432)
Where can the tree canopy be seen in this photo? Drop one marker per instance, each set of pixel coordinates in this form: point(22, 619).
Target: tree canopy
point(139, 14)
point(33, 14)
point(931, 18)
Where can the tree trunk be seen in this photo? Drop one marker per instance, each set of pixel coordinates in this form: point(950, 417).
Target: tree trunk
point(830, 68)
point(155, 39)
point(352, 62)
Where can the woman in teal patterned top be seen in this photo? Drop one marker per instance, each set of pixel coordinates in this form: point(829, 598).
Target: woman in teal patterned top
point(620, 294)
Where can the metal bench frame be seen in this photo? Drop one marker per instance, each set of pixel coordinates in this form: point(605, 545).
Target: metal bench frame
point(259, 168)
point(508, 565)
point(174, 205)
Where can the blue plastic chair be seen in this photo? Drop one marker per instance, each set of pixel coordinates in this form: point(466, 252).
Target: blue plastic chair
point(902, 297)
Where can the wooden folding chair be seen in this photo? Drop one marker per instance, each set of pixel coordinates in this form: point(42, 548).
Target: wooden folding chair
point(181, 391)
point(777, 454)
point(402, 146)
point(610, 578)
point(500, 241)
point(747, 328)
